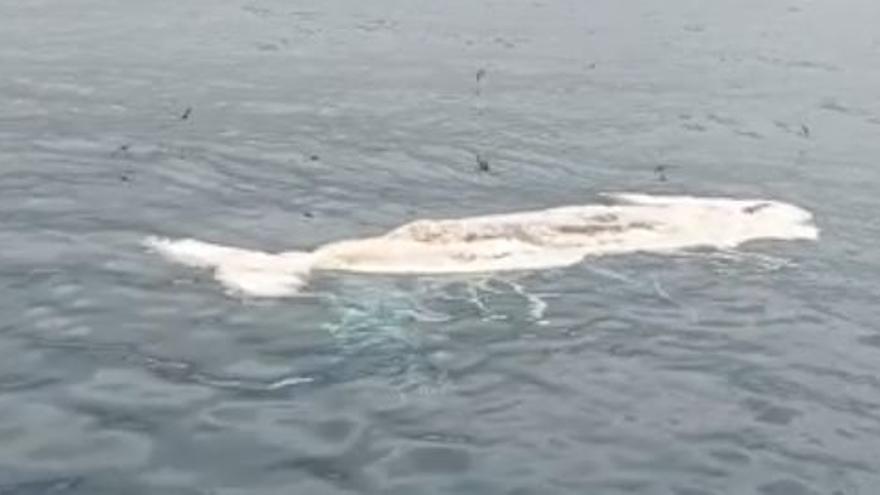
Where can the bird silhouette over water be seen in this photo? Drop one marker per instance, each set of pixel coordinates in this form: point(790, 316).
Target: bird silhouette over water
point(660, 172)
point(805, 131)
point(481, 74)
point(482, 163)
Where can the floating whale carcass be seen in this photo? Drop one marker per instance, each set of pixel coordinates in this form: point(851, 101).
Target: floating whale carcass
point(528, 240)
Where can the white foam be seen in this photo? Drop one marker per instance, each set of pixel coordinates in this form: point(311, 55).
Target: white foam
point(515, 241)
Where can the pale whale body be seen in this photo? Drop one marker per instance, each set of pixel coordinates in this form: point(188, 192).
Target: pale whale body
point(515, 241)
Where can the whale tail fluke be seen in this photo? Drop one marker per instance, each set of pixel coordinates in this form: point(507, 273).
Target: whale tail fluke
point(242, 271)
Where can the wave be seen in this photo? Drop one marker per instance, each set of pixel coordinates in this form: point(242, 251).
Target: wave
point(529, 240)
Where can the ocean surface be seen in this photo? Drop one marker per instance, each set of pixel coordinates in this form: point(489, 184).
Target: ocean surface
point(275, 125)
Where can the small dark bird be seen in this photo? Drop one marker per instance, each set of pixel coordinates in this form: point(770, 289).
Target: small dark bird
point(482, 163)
point(314, 158)
point(660, 172)
point(186, 113)
point(124, 177)
point(308, 214)
point(481, 74)
point(755, 208)
point(805, 131)
point(122, 150)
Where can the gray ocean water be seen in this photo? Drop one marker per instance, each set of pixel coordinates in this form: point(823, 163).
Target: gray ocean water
point(274, 124)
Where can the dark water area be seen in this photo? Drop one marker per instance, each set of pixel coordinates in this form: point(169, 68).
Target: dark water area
point(285, 124)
